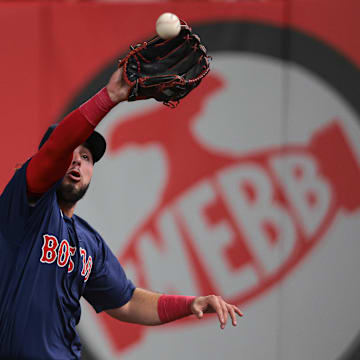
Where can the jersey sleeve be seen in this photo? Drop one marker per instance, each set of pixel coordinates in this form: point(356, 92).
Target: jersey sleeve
point(107, 287)
point(14, 209)
point(16, 212)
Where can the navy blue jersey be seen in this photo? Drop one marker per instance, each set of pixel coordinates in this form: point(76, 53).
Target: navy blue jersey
point(47, 262)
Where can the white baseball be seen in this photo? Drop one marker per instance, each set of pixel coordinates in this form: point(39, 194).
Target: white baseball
point(168, 26)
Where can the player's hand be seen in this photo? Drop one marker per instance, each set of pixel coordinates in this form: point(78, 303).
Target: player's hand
point(215, 304)
point(117, 88)
point(166, 70)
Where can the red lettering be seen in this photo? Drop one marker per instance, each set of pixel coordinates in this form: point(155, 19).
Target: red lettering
point(49, 253)
point(87, 265)
point(64, 253)
point(71, 263)
point(88, 268)
point(83, 255)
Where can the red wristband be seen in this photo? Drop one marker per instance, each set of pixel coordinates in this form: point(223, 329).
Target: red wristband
point(172, 307)
point(97, 107)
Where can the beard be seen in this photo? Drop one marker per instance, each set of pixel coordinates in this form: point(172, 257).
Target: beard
point(67, 193)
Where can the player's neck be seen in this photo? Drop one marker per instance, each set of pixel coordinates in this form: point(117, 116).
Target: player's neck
point(67, 208)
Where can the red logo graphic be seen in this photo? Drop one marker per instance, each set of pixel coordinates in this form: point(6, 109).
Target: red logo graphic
point(247, 220)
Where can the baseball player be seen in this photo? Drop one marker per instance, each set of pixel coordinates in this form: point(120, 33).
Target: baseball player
point(50, 257)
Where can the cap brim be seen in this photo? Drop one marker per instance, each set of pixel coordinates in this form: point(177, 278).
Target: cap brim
point(97, 145)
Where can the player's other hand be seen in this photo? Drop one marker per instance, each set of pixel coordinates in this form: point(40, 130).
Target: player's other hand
point(215, 304)
point(117, 88)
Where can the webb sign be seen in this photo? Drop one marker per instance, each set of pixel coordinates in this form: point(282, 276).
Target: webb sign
point(245, 209)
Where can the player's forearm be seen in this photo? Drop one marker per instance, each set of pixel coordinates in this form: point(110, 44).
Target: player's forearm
point(148, 308)
point(141, 309)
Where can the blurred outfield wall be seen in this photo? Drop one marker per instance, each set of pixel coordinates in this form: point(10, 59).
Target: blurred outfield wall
point(248, 189)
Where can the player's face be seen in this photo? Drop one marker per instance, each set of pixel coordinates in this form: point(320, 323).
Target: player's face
point(78, 176)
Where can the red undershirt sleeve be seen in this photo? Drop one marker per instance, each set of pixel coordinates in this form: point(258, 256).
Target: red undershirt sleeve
point(51, 162)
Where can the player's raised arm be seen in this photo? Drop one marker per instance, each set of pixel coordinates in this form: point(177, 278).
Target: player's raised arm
point(149, 308)
point(51, 162)
point(164, 69)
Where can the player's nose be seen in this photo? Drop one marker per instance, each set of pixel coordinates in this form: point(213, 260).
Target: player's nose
point(76, 160)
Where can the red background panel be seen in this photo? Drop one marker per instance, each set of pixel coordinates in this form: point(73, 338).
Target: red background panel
point(51, 49)
point(19, 86)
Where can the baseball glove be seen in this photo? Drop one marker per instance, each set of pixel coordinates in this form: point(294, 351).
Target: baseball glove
point(166, 70)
